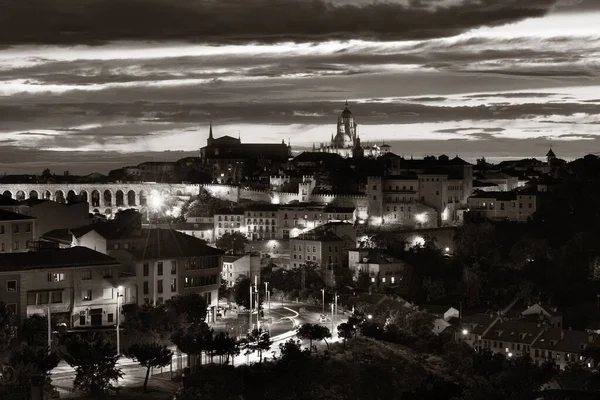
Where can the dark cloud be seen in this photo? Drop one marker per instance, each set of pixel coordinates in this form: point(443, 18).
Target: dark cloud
point(97, 21)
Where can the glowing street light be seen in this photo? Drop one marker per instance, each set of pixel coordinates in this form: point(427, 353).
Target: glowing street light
point(156, 202)
point(369, 316)
point(465, 332)
point(421, 218)
point(510, 354)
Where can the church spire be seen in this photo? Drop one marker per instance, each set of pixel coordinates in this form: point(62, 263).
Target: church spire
point(210, 133)
point(346, 103)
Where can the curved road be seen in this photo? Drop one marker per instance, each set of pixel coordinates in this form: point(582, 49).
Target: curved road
point(286, 318)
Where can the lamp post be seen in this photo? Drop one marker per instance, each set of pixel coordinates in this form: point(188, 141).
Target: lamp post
point(49, 330)
point(336, 305)
point(257, 304)
point(323, 300)
point(267, 296)
point(251, 307)
point(332, 318)
point(119, 290)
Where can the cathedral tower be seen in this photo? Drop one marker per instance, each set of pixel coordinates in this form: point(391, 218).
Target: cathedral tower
point(346, 130)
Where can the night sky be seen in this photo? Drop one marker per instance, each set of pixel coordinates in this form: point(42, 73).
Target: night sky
point(91, 85)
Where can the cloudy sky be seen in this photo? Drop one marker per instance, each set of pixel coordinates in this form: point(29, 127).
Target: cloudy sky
point(90, 85)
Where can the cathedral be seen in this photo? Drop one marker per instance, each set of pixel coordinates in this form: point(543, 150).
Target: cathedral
point(346, 142)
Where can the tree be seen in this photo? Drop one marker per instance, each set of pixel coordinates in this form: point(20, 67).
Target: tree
point(29, 361)
point(7, 326)
point(241, 291)
point(35, 330)
point(150, 355)
point(363, 280)
point(224, 345)
point(155, 324)
point(260, 341)
point(193, 340)
point(234, 243)
point(346, 331)
point(312, 332)
point(94, 358)
point(192, 306)
point(292, 351)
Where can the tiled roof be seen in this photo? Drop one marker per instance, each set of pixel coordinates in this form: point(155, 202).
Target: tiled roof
point(568, 341)
point(13, 216)
point(262, 207)
point(230, 211)
point(52, 258)
point(8, 201)
point(58, 235)
point(435, 309)
point(168, 243)
point(378, 257)
point(108, 230)
point(230, 259)
point(319, 236)
point(478, 323)
point(514, 331)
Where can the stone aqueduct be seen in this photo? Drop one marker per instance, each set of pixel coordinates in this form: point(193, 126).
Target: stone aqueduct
point(103, 198)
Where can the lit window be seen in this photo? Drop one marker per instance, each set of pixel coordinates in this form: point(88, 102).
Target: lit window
point(86, 295)
point(11, 286)
point(59, 277)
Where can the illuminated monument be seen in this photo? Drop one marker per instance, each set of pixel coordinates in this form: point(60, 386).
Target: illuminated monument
point(346, 141)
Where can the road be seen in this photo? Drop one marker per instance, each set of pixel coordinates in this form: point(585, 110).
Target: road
point(286, 318)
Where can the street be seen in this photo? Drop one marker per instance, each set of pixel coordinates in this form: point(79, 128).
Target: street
point(286, 318)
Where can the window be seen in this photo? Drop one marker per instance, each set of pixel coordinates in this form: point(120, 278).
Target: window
point(56, 297)
point(173, 285)
point(86, 275)
point(86, 295)
point(109, 317)
point(117, 246)
point(314, 249)
point(1, 229)
point(12, 307)
point(2, 247)
point(28, 228)
point(16, 245)
point(159, 269)
point(11, 286)
point(173, 267)
point(146, 269)
point(107, 294)
point(146, 287)
point(159, 285)
point(126, 246)
point(82, 318)
point(58, 277)
point(108, 273)
point(15, 228)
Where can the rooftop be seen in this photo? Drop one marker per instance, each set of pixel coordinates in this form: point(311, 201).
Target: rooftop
point(230, 211)
point(378, 257)
point(514, 331)
point(53, 258)
point(319, 235)
point(8, 201)
point(168, 243)
point(59, 235)
point(13, 216)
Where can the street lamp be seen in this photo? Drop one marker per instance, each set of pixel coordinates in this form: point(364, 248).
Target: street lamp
point(323, 300)
point(119, 290)
point(332, 318)
point(336, 305)
point(370, 316)
point(465, 332)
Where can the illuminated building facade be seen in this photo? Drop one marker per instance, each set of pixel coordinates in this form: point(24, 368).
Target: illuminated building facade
point(420, 193)
point(516, 205)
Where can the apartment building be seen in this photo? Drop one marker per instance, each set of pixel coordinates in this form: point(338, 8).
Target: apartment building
point(16, 230)
point(294, 219)
point(322, 247)
point(167, 263)
point(381, 268)
point(262, 222)
point(539, 340)
point(228, 220)
point(80, 287)
point(240, 266)
point(516, 205)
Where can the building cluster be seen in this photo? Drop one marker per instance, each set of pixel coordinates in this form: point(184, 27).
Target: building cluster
point(84, 274)
point(536, 330)
point(301, 210)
